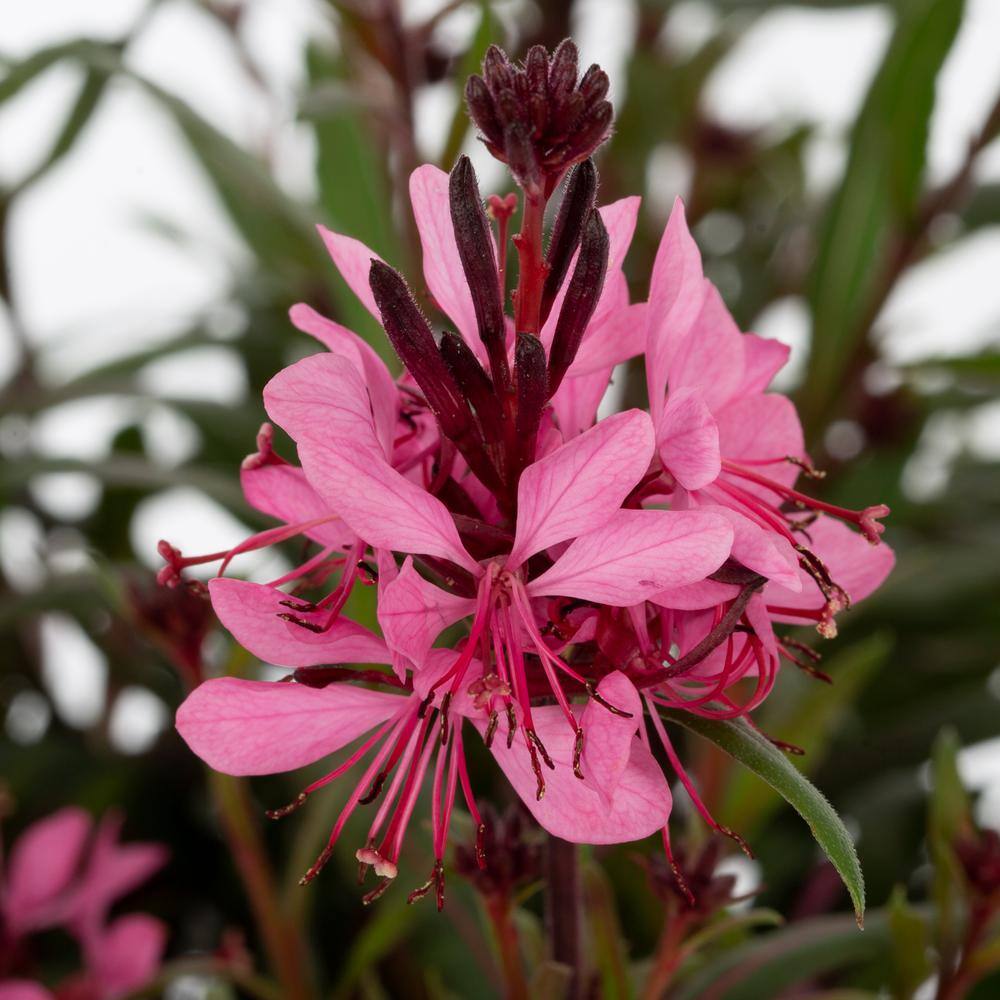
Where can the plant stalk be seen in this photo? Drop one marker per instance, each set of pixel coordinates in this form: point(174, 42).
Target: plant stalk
point(563, 910)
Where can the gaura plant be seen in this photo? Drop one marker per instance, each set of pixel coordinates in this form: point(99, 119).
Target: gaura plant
point(607, 574)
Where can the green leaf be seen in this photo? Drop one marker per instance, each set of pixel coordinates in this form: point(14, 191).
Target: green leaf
point(878, 196)
point(910, 943)
point(745, 744)
point(25, 71)
point(806, 713)
point(801, 952)
point(610, 951)
point(386, 927)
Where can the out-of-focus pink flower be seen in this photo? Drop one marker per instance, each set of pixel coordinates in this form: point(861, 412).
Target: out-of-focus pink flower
point(66, 871)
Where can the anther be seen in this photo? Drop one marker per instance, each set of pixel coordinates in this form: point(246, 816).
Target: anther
point(481, 845)
point(534, 739)
point(375, 789)
point(369, 897)
point(286, 616)
point(604, 703)
point(491, 729)
point(578, 753)
point(283, 811)
point(537, 768)
point(808, 469)
point(511, 725)
point(738, 840)
point(445, 703)
point(303, 607)
point(317, 865)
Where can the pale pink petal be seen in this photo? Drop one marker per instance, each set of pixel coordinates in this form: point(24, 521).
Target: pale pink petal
point(574, 810)
point(611, 340)
point(250, 612)
point(608, 738)
point(676, 290)
point(853, 562)
point(442, 265)
point(764, 358)
point(577, 399)
point(710, 357)
point(637, 554)
point(577, 487)
point(687, 438)
point(354, 261)
point(413, 613)
point(323, 404)
point(340, 340)
point(127, 954)
point(43, 863)
point(265, 727)
point(283, 492)
point(763, 428)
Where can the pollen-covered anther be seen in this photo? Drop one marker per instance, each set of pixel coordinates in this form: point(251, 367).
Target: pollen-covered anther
point(738, 840)
point(317, 865)
point(808, 469)
point(283, 811)
point(383, 867)
point(578, 754)
point(287, 616)
point(436, 882)
point(604, 703)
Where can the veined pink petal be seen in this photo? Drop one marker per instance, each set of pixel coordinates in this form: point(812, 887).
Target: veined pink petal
point(608, 738)
point(353, 260)
point(762, 428)
point(442, 265)
point(577, 487)
point(43, 862)
point(696, 596)
point(676, 290)
point(283, 492)
point(265, 727)
point(127, 954)
point(322, 403)
point(340, 340)
point(854, 564)
point(250, 612)
point(761, 550)
point(687, 438)
point(571, 808)
point(637, 554)
point(413, 613)
point(764, 358)
point(710, 357)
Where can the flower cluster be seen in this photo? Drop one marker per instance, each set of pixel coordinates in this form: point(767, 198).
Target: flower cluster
point(65, 872)
point(598, 569)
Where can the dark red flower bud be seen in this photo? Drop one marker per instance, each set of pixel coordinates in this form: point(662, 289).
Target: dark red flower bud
point(413, 340)
point(537, 118)
point(581, 299)
point(532, 394)
point(475, 248)
point(475, 385)
point(577, 202)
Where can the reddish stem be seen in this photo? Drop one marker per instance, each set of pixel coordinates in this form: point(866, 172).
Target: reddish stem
point(531, 280)
point(499, 910)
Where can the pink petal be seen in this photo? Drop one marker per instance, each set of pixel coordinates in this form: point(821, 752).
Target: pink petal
point(574, 810)
point(23, 989)
point(353, 260)
point(265, 727)
point(346, 343)
point(413, 613)
point(855, 564)
point(676, 290)
point(442, 265)
point(637, 554)
point(283, 492)
point(127, 954)
point(579, 486)
point(250, 612)
point(761, 550)
point(612, 340)
point(760, 428)
point(577, 399)
point(43, 863)
point(608, 738)
point(764, 359)
point(322, 402)
point(688, 440)
point(696, 596)
point(710, 357)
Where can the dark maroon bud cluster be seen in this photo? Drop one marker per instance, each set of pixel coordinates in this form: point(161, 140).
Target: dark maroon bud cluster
point(538, 118)
point(581, 298)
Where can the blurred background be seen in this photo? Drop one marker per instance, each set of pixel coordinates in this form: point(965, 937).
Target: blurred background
point(162, 165)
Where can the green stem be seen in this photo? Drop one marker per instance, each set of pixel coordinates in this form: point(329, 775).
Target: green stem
point(279, 932)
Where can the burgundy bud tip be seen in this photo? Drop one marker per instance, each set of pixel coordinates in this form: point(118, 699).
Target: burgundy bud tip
point(578, 200)
point(538, 118)
point(578, 307)
point(475, 250)
point(474, 384)
point(532, 394)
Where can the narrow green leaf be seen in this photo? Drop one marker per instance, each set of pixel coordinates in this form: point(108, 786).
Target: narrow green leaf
point(910, 942)
point(746, 745)
point(25, 71)
point(878, 196)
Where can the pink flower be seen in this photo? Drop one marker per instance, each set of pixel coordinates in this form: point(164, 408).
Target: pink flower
point(63, 871)
point(599, 569)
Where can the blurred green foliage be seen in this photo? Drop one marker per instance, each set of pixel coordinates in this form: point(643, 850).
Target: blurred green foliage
point(919, 655)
